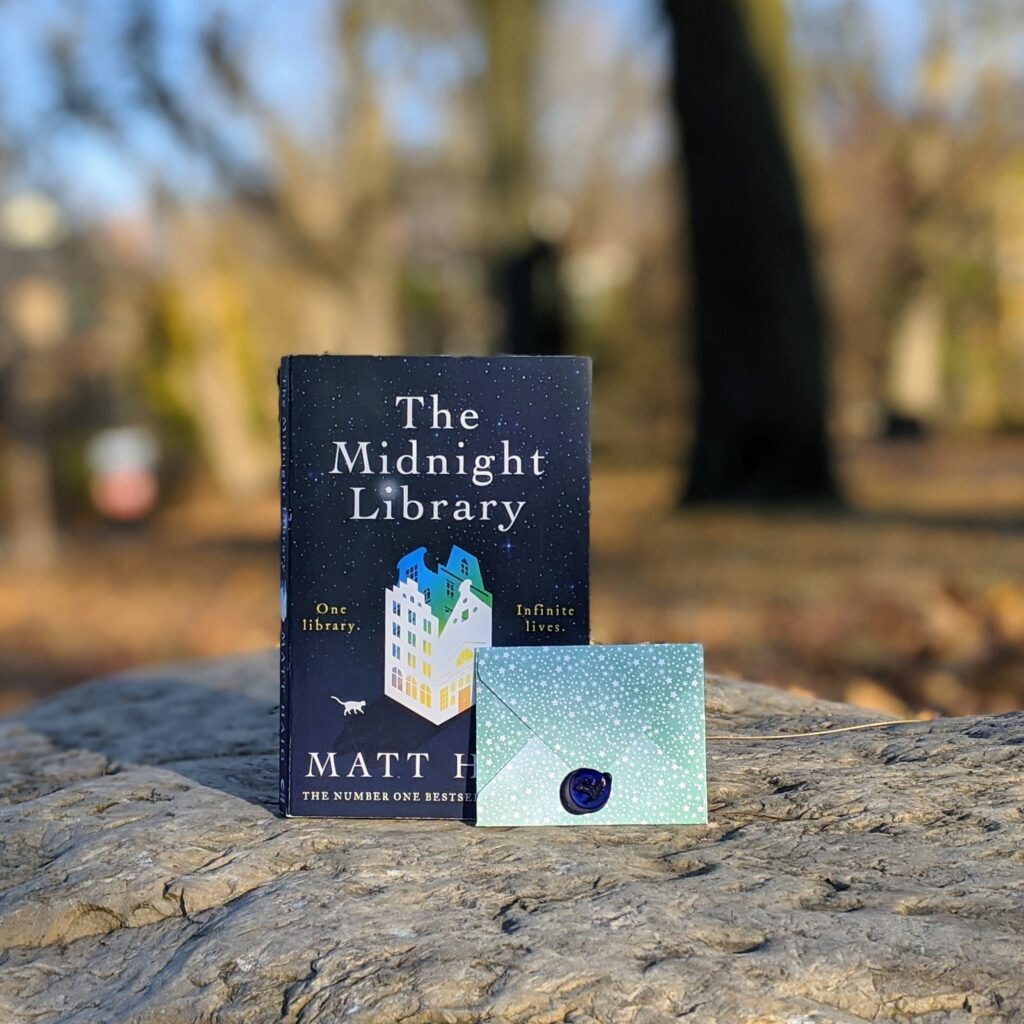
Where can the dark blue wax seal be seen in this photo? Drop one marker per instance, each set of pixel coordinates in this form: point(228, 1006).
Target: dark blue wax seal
point(585, 790)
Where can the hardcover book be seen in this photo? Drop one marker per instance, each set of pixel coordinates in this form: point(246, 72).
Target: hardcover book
point(430, 506)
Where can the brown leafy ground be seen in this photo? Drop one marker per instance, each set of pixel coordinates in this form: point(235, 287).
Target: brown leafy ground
point(915, 601)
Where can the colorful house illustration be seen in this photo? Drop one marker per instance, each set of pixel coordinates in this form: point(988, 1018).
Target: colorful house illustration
point(434, 621)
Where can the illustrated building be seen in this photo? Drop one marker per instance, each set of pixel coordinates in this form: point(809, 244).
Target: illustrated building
point(434, 621)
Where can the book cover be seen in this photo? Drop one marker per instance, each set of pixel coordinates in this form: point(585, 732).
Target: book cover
point(430, 506)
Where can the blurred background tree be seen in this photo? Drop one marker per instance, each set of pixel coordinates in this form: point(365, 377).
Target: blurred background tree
point(521, 232)
point(759, 337)
point(790, 233)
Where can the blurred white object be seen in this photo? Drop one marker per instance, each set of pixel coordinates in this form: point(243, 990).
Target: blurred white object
point(31, 220)
point(123, 462)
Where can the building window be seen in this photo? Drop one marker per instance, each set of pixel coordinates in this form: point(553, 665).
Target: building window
point(412, 616)
point(465, 614)
point(464, 567)
point(411, 660)
point(466, 654)
point(410, 686)
point(427, 627)
point(449, 587)
point(427, 671)
point(396, 678)
point(412, 573)
point(426, 698)
point(411, 638)
point(428, 647)
point(426, 595)
point(396, 651)
point(396, 629)
point(444, 698)
point(396, 608)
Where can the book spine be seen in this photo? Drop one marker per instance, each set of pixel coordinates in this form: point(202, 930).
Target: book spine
point(284, 743)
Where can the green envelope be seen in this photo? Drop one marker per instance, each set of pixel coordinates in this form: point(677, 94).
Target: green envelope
point(635, 711)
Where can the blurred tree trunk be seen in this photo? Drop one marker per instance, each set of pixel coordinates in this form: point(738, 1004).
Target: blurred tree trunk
point(33, 308)
point(510, 32)
point(523, 268)
point(27, 478)
point(759, 328)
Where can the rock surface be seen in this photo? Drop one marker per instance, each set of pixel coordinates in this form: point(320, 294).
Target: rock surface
point(144, 877)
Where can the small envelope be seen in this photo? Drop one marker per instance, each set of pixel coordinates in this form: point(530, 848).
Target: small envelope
point(634, 712)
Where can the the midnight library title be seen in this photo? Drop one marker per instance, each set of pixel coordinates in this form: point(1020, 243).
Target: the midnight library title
point(393, 500)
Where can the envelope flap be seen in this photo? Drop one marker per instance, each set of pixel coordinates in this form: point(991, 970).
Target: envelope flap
point(592, 703)
point(525, 791)
point(503, 735)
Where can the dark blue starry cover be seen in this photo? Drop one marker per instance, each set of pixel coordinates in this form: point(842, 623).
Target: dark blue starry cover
point(429, 507)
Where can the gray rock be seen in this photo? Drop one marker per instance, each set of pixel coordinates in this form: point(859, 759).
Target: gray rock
point(144, 877)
